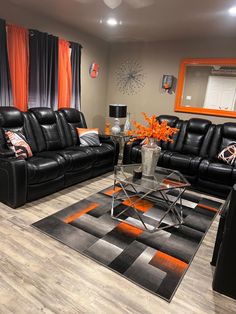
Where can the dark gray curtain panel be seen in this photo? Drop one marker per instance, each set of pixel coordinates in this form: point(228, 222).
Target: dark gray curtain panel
point(5, 80)
point(43, 70)
point(76, 81)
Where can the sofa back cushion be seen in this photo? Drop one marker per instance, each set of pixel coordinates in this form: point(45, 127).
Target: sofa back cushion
point(46, 128)
point(71, 120)
point(228, 134)
point(171, 120)
point(12, 119)
point(174, 122)
point(224, 135)
point(192, 136)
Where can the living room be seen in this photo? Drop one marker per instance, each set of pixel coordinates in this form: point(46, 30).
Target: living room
point(45, 272)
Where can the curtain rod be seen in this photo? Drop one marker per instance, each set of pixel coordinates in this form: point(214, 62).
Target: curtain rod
point(9, 24)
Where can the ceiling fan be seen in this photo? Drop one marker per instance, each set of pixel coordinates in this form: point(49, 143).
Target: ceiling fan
point(112, 4)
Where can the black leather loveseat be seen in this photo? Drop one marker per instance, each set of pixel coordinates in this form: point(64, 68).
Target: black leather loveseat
point(194, 152)
point(58, 159)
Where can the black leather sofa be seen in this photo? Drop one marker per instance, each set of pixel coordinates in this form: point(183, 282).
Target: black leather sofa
point(224, 257)
point(194, 153)
point(58, 159)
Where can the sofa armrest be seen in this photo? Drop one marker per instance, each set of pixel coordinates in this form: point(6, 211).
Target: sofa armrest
point(128, 151)
point(108, 140)
point(13, 181)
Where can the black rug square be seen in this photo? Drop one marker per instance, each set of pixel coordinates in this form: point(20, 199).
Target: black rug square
point(155, 261)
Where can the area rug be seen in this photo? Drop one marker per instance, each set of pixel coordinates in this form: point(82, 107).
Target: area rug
point(155, 261)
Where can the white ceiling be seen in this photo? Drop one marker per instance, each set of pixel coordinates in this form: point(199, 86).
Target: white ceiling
point(142, 20)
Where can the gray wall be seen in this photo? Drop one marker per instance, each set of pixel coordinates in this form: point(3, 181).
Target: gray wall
point(158, 58)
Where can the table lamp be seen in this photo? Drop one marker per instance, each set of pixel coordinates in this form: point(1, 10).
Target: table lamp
point(117, 111)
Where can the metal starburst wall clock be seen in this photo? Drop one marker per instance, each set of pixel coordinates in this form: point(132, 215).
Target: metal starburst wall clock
point(130, 77)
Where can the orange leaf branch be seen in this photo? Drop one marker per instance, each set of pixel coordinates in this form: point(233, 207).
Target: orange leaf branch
point(153, 129)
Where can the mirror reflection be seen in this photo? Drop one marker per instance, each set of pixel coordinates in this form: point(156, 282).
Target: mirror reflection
point(210, 87)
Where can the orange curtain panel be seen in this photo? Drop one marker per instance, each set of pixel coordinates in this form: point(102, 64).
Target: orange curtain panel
point(64, 74)
point(17, 42)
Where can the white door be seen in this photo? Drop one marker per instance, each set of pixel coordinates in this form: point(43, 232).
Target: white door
point(220, 93)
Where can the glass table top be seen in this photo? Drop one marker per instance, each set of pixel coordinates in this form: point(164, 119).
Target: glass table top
point(164, 179)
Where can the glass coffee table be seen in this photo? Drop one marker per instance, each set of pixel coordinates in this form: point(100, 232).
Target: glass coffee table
point(165, 188)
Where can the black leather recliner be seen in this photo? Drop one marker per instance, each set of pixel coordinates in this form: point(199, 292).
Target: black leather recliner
point(194, 153)
point(58, 159)
point(215, 175)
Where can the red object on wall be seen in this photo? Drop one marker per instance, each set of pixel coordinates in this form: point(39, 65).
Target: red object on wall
point(17, 44)
point(64, 74)
point(93, 70)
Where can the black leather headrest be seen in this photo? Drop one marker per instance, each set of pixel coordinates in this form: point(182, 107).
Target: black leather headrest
point(44, 115)
point(229, 130)
point(11, 117)
point(199, 126)
point(171, 120)
point(72, 115)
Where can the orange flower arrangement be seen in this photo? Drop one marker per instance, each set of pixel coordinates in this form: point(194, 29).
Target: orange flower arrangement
point(159, 131)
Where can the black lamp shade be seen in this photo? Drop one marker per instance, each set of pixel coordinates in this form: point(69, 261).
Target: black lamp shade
point(117, 111)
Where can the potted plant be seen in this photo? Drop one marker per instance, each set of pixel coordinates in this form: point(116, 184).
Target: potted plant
point(151, 133)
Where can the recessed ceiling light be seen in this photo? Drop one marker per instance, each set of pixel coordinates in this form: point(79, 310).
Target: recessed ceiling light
point(112, 22)
point(232, 11)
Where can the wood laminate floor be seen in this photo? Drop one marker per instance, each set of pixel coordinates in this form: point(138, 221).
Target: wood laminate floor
point(41, 275)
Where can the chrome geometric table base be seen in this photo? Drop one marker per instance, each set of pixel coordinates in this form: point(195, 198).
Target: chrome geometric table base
point(157, 194)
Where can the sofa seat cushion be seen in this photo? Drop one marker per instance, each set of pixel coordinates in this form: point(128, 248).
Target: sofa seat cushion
point(164, 158)
point(102, 155)
point(42, 169)
point(105, 154)
point(77, 160)
point(216, 171)
point(186, 164)
point(53, 155)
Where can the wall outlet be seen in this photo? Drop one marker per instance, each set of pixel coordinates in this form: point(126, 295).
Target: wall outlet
point(188, 97)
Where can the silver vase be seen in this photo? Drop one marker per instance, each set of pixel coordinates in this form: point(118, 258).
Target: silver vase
point(150, 155)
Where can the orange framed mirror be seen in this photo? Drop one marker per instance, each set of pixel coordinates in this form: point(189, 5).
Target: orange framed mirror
point(207, 86)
